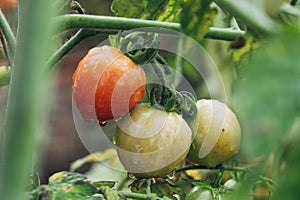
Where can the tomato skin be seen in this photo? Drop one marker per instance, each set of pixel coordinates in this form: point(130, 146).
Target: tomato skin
point(214, 119)
point(152, 142)
point(8, 4)
point(107, 84)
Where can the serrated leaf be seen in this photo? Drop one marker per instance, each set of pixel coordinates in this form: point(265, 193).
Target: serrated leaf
point(241, 50)
point(196, 18)
point(161, 10)
point(109, 154)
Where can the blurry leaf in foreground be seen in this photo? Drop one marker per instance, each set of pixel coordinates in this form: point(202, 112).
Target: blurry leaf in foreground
point(161, 10)
point(266, 99)
point(109, 154)
point(196, 18)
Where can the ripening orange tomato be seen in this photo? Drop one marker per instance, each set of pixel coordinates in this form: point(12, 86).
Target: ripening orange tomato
point(8, 4)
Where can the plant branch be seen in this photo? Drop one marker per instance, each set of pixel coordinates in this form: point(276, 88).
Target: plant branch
point(72, 42)
point(26, 96)
point(138, 196)
point(251, 15)
point(227, 34)
point(119, 23)
point(8, 33)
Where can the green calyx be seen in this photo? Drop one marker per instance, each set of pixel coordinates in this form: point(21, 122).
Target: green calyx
point(143, 48)
point(171, 100)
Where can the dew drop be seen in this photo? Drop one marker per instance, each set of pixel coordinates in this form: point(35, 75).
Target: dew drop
point(102, 124)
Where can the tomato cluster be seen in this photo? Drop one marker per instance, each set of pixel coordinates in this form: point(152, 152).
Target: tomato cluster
point(151, 141)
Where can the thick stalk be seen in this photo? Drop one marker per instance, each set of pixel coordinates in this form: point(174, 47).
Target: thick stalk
point(119, 23)
point(257, 20)
point(25, 97)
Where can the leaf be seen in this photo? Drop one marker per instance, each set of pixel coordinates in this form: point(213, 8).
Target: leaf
point(99, 184)
point(66, 177)
point(111, 194)
point(241, 50)
point(196, 18)
point(161, 10)
point(266, 100)
point(109, 154)
point(161, 188)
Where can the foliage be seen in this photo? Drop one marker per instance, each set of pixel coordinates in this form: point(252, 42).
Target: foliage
point(264, 51)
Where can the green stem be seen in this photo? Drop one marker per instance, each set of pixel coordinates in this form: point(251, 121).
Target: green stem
point(199, 167)
point(138, 196)
point(227, 34)
point(119, 23)
point(4, 48)
point(25, 104)
point(217, 181)
point(122, 183)
point(8, 33)
point(251, 15)
point(71, 21)
point(72, 42)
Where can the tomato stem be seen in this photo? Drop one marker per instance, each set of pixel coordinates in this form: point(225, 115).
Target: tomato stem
point(71, 21)
point(72, 42)
point(4, 48)
point(75, 5)
point(251, 15)
point(8, 34)
point(217, 181)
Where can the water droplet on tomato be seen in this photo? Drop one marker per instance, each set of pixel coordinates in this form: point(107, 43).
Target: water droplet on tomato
point(102, 124)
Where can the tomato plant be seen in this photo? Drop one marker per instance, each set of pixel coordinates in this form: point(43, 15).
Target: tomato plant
point(175, 144)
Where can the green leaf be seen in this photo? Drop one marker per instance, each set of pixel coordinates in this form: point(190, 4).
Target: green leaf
point(110, 194)
point(242, 50)
point(66, 177)
point(196, 18)
point(266, 99)
point(109, 154)
point(99, 184)
point(161, 10)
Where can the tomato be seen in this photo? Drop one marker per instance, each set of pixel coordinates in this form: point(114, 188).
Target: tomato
point(217, 134)
point(107, 84)
point(152, 142)
point(8, 4)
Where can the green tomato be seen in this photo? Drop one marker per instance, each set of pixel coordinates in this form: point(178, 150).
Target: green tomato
point(152, 142)
point(217, 134)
